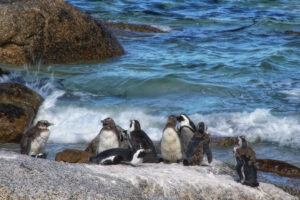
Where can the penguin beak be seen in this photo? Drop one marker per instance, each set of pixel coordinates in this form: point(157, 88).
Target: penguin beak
point(50, 124)
point(178, 117)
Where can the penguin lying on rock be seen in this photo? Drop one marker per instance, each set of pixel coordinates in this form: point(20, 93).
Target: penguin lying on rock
point(139, 139)
point(245, 163)
point(119, 156)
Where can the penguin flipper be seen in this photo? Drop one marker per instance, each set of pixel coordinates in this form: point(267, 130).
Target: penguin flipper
point(208, 152)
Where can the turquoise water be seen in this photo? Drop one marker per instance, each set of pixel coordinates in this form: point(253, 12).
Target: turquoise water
point(240, 82)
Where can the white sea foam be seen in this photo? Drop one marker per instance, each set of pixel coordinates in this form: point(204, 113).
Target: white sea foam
point(74, 124)
point(293, 94)
point(257, 125)
point(162, 28)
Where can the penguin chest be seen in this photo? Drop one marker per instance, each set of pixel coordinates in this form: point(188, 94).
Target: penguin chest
point(170, 145)
point(108, 140)
point(38, 144)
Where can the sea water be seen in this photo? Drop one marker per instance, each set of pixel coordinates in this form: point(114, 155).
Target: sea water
point(228, 63)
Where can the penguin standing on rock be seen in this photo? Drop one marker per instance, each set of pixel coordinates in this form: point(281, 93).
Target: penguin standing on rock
point(34, 140)
point(194, 152)
point(187, 131)
point(108, 138)
point(245, 163)
point(170, 142)
point(205, 138)
point(139, 139)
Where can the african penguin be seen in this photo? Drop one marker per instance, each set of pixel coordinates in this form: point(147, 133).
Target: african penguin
point(139, 139)
point(245, 163)
point(170, 141)
point(108, 138)
point(186, 131)
point(34, 139)
point(194, 152)
point(119, 156)
point(202, 129)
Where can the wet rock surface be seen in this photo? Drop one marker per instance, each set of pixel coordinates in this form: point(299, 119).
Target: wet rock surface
point(18, 107)
point(73, 156)
point(279, 167)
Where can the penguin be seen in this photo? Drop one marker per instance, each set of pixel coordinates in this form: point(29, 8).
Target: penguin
point(245, 163)
point(194, 152)
point(108, 138)
point(139, 139)
point(119, 156)
point(187, 130)
point(170, 142)
point(34, 139)
point(205, 137)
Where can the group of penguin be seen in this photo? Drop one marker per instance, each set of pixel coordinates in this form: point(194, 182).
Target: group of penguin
point(114, 145)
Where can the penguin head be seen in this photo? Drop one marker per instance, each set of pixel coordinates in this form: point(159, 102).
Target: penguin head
point(108, 122)
point(201, 127)
point(172, 121)
point(134, 126)
point(186, 121)
point(43, 124)
point(242, 142)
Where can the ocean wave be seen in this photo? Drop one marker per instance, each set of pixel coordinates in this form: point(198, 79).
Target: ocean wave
point(75, 124)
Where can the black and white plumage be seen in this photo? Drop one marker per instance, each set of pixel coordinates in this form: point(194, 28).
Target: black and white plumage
point(139, 139)
point(170, 145)
point(187, 131)
point(34, 139)
point(119, 156)
point(245, 163)
point(205, 137)
point(108, 138)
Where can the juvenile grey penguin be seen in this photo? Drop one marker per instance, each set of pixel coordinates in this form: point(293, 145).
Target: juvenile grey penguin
point(186, 131)
point(245, 163)
point(108, 138)
point(194, 152)
point(119, 156)
point(205, 137)
point(170, 142)
point(34, 139)
point(139, 139)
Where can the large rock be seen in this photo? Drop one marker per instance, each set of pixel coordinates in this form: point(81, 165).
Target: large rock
point(73, 156)
point(30, 178)
point(51, 31)
point(18, 107)
point(279, 167)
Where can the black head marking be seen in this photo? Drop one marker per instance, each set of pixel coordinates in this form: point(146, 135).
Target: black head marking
point(242, 142)
point(201, 127)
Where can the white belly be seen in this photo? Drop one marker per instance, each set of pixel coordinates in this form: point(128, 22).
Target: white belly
point(108, 140)
point(38, 144)
point(170, 146)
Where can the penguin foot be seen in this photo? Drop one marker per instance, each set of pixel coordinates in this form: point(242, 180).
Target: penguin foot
point(185, 162)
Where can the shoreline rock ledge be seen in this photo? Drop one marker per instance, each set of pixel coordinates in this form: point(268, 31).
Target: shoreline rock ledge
point(51, 32)
point(23, 177)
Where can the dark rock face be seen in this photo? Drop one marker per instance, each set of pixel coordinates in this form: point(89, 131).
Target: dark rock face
point(51, 31)
point(73, 156)
point(18, 107)
point(279, 167)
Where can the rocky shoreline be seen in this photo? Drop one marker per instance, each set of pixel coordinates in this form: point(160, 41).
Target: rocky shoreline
point(26, 177)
